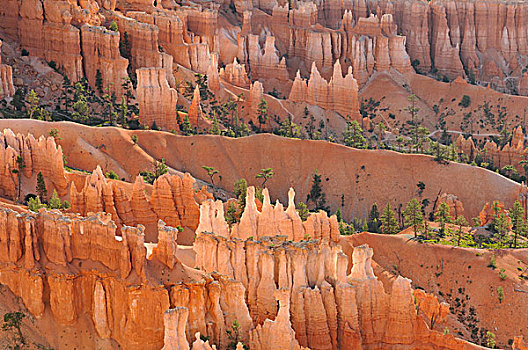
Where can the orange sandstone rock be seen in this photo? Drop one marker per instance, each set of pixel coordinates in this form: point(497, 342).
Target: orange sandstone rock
point(157, 100)
point(339, 94)
point(6, 78)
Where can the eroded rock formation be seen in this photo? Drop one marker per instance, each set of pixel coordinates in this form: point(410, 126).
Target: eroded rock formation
point(6, 78)
point(173, 200)
point(29, 156)
point(339, 94)
point(101, 57)
point(157, 100)
point(272, 220)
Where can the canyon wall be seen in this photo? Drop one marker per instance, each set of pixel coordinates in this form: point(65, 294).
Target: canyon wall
point(102, 60)
point(89, 267)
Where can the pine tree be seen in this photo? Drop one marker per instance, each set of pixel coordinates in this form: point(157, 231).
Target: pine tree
point(302, 210)
point(373, 219)
point(353, 135)
point(339, 215)
point(501, 226)
point(461, 222)
point(265, 175)
point(413, 215)
point(33, 101)
point(443, 216)
point(161, 168)
point(211, 172)
point(516, 215)
point(316, 195)
point(113, 26)
point(55, 202)
point(388, 221)
point(262, 111)
point(99, 81)
point(42, 192)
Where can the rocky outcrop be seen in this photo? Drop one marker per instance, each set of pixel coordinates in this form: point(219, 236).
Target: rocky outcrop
point(455, 205)
point(46, 29)
point(264, 65)
point(339, 94)
point(101, 57)
point(142, 39)
point(173, 201)
point(235, 73)
point(36, 155)
point(6, 78)
point(277, 334)
point(466, 146)
point(272, 220)
point(185, 47)
point(156, 99)
point(511, 154)
point(327, 307)
point(195, 109)
point(111, 285)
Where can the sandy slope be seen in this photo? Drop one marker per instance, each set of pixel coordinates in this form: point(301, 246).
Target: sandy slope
point(361, 177)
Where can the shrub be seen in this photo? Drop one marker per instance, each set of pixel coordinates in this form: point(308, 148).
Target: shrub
point(112, 175)
point(113, 26)
point(465, 102)
point(502, 274)
point(25, 52)
point(493, 263)
point(500, 293)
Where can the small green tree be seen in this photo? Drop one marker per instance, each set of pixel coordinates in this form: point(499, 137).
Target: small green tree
point(516, 215)
point(413, 215)
point(265, 175)
point(34, 204)
point(33, 103)
point(99, 81)
point(13, 322)
point(443, 216)
point(134, 139)
point(161, 168)
point(460, 222)
point(500, 225)
point(490, 340)
point(389, 224)
point(373, 219)
point(231, 214)
point(233, 336)
point(55, 134)
point(211, 172)
point(113, 26)
point(240, 189)
point(288, 128)
point(55, 202)
point(353, 135)
point(317, 195)
point(302, 210)
point(42, 192)
point(111, 175)
point(262, 112)
point(500, 293)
